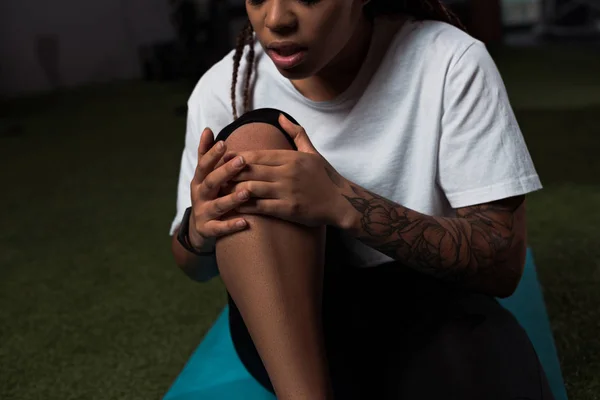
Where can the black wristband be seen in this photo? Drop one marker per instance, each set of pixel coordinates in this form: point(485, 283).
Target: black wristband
point(183, 236)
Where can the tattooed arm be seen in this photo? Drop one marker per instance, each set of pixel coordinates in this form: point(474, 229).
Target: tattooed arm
point(482, 248)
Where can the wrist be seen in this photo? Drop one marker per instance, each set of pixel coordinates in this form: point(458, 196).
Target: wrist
point(346, 216)
point(192, 240)
point(201, 243)
point(195, 239)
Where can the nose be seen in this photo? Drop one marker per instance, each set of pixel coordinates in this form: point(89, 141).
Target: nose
point(280, 18)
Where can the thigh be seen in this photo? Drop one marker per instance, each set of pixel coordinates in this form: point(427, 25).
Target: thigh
point(396, 334)
point(368, 313)
point(478, 352)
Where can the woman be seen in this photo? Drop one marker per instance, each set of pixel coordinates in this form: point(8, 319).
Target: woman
point(363, 242)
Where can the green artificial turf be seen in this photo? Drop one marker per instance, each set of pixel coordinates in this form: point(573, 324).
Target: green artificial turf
point(91, 305)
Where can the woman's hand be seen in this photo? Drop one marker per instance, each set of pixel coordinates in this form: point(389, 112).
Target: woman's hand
point(297, 186)
point(206, 205)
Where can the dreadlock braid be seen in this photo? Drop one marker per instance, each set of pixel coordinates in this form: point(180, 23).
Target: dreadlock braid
point(420, 9)
point(250, 64)
point(245, 37)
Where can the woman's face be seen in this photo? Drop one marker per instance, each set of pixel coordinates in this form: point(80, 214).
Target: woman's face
point(304, 36)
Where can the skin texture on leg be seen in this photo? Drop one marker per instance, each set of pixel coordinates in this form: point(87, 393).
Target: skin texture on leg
point(273, 271)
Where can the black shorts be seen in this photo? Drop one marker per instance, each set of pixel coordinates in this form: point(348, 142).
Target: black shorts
point(393, 333)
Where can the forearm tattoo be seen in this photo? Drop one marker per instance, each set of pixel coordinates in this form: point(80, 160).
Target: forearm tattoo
point(476, 241)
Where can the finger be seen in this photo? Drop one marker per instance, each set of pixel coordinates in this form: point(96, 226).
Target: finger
point(271, 207)
point(216, 228)
point(225, 204)
point(207, 141)
point(298, 134)
point(229, 156)
point(261, 173)
point(272, 158)
point(208, 161)
point(263, 190)
point(220, 176)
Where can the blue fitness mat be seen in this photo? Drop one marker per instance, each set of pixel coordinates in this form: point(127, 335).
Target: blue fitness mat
point(214, 372)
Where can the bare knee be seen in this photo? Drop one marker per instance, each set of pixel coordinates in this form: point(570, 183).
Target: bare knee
point(266, 236)
point(257, 136)
point(252, 137)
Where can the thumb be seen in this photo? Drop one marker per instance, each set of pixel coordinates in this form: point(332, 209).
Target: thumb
point(298, 134)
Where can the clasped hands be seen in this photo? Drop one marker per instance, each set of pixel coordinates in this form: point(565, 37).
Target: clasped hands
point(296, 186)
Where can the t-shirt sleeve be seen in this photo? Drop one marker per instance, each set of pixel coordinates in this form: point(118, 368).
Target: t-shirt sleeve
point(189, 159)
point(482, 156)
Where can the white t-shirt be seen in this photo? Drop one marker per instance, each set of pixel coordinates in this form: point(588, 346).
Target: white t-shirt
point(427, 122)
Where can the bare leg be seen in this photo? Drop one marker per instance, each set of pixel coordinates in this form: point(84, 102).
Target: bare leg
point(273, 272)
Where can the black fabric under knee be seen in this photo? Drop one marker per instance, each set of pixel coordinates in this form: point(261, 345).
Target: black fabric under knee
point(263, 115)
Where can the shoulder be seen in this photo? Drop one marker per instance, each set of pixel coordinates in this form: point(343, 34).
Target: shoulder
point(436, 43)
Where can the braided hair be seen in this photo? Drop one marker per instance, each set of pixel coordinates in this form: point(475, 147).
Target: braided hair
point(246, 37)
point(434, 10)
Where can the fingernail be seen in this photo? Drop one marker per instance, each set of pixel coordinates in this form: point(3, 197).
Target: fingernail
point(243, 195)
point(241, 224)
point(238, 162)
point(220, 146)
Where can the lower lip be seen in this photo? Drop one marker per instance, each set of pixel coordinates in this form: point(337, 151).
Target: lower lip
point(287, 62)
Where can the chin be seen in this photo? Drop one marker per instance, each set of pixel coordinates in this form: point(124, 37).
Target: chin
point(296, 73)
